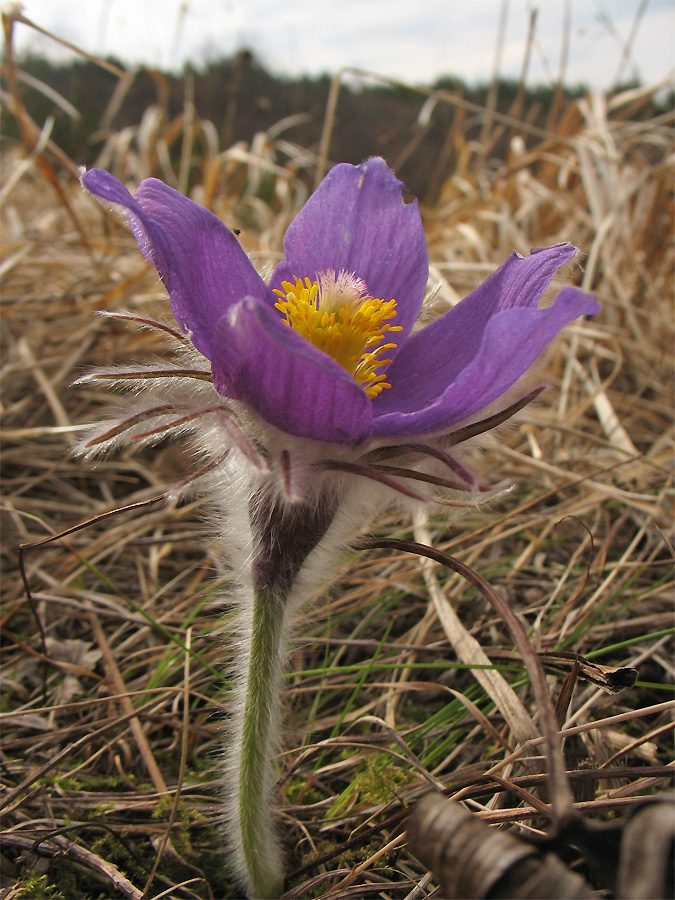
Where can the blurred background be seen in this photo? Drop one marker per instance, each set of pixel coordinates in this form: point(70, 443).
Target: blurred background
point(608, 41)
point(265, 68)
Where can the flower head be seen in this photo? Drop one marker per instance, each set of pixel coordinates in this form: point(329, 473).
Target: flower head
point(326, 350)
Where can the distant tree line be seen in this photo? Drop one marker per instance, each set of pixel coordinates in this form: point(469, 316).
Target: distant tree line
point(241, 98)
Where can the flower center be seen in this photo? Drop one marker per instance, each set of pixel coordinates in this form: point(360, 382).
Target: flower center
point(338, 316)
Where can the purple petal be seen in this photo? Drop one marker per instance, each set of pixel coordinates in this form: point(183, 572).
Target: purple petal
point(510, 343)
point(199, 261)
point(357, 220)
point(433, 357)
point(291, 384)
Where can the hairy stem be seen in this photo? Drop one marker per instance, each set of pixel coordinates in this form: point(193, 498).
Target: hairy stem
point(283, 536)
point(260, 856)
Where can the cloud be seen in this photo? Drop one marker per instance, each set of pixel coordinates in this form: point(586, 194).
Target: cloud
point(413, 41)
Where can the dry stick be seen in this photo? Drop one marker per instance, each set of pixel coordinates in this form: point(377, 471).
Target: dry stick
point(169, 892)
point(562, 804)
point(663, 729)
point(491, 100)
point(516, 109)
point(96, 867)
point(99, 517)
point(188, 133)
point(366, 864)
point(128, 707)
point(17, 16)
point(592, 726)
point(560, 81)
point(628, 46)
point(504, 816)
point(81, 704)
point(470, 651)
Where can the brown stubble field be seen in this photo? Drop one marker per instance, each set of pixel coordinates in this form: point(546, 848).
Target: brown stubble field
point(113, 694)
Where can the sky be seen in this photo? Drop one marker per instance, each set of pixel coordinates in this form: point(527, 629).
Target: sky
point(416, 42)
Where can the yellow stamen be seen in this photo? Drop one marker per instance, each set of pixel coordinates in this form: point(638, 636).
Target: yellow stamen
point(338, 316)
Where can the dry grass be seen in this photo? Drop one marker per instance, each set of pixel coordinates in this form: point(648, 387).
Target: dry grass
point(111, 693)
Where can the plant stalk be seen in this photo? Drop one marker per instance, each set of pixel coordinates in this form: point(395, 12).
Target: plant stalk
point(284, 535)
point(258, 846)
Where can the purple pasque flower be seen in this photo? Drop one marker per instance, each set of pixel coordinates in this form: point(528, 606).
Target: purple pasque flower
point(295, 392)
point(349, 370)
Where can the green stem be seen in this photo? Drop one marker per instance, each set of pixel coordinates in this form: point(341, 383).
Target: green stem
point(283, 536)
point(258, 847)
